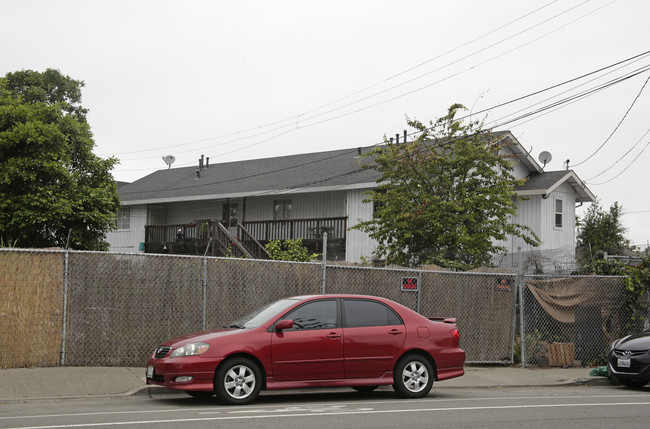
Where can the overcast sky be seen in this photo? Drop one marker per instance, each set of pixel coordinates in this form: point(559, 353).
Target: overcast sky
point(237, 80)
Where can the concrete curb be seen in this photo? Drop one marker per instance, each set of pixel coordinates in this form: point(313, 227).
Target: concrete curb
point(76, 382)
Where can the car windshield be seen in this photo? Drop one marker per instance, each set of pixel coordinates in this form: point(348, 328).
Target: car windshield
point(261, 315)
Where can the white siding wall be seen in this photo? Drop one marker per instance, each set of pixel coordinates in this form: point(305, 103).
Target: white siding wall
point(193, 210)
point(358, 243)
point(528, 214)
point(303, 206)
point(128, 240)
point(556, 238)
point(519, 171)
point(539, 214)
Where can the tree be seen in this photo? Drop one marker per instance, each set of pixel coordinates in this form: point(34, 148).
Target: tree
point(444, 198)
point(601, 231)
point(52, 187)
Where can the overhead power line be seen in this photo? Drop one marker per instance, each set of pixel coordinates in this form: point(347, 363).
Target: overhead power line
point(621, 158)
point(625, 169)
point(553, 105)
point(302, 118)
point(617, 126)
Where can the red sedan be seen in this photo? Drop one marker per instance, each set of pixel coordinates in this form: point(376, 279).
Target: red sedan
point(313, 341)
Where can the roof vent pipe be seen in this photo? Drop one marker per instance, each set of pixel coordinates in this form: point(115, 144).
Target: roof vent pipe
point(207, 161)
point(201, 162)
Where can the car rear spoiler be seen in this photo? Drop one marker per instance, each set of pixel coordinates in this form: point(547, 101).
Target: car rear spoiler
point(443, 319)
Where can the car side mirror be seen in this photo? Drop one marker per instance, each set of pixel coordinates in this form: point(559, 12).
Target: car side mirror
point(284, 324)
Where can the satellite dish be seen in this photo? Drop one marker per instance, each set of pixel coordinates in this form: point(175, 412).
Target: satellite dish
point(545, 157)
point(169, 160)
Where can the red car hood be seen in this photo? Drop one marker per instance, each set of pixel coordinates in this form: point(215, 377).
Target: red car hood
point(204, 336)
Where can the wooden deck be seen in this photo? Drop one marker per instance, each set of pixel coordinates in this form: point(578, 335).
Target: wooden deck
point(212, 238)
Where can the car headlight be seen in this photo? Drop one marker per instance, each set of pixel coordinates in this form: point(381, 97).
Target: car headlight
point(191, 349)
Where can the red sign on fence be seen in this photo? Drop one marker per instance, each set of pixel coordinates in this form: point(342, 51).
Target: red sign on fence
point(410, 284)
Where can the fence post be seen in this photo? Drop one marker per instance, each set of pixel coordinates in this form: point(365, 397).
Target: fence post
point(64, 330)
point(513, 334)
point(204, 285)
point(520, 288)
point(419, 289)
point(323, 269)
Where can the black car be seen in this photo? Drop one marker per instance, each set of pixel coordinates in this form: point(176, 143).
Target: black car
point(629, 360)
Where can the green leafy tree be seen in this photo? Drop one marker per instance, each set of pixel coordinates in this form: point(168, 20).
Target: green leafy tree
point(444, 198)
point(601, 231)
point(52, 186)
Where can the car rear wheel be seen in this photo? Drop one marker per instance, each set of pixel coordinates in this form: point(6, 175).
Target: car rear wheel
point(238, 381)
point(633, 383)
point(413, 376)
point(199, 394)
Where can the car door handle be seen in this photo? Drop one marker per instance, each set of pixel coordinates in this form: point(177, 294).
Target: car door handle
point(395, 332)
point(333, 335)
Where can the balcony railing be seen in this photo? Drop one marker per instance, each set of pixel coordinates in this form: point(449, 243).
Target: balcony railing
point(306, 229)
point(212, 237)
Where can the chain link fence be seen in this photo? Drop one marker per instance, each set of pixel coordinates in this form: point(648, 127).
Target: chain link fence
point(571, 321)
point(107, 309)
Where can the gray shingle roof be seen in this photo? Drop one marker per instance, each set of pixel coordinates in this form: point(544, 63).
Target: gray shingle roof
point(305, 172)
point(310, 172)
point(544, 183)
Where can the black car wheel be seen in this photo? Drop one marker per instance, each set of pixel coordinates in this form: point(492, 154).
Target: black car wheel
point(633, 383)
point(238, 381)
point(413, 376)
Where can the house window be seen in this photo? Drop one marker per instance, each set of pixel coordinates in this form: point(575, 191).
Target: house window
point(281, 209)
point(229, 214)
point(558, 213)
point(377, 206)
point(123, 218)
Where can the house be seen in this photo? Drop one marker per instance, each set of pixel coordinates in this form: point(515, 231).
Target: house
point(237, 207)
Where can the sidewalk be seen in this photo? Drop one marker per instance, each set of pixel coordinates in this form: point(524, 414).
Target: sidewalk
point(61, 382)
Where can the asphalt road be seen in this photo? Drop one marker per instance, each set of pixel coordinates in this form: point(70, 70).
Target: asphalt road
point(541, 407)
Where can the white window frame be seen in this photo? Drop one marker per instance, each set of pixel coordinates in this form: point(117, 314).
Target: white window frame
point(123, 219)
point(556, 213)
point(286, 208)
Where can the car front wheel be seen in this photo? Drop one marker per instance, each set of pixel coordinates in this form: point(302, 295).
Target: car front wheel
point(413, 376)
point(238, 381)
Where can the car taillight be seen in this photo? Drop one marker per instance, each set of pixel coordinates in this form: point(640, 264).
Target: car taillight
point(454, 333)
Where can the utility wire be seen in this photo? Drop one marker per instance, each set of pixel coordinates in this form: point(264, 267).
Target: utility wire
point(296, 126)
point(621, 158)
point(575, 97)
point(556, 104)
point(617, 126)
point(625, 169)
point(445, 78)
point(441, 55)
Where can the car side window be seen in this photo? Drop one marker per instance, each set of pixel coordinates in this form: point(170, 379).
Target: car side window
point(314, 315)
point(360, 312)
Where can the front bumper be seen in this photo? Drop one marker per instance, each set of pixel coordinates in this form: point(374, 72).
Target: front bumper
point(639, 365)
point(183, 373)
